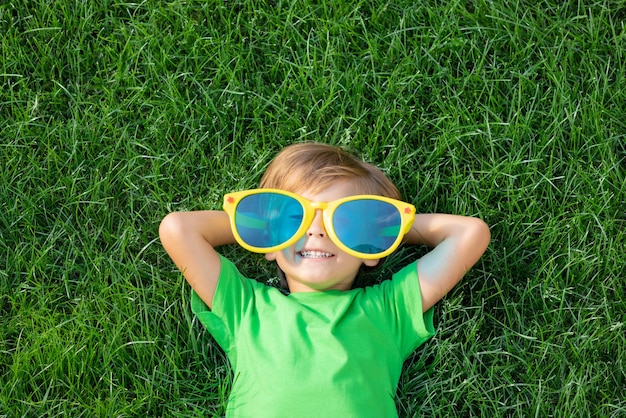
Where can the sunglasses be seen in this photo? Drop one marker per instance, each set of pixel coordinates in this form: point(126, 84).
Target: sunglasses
point(364, 226)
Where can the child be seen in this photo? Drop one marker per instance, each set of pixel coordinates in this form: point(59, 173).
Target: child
point(326, 349)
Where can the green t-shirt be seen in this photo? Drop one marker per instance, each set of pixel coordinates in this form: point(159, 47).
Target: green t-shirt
point(321, 354)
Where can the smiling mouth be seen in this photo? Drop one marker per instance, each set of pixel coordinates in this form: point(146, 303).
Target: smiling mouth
point(315, 254)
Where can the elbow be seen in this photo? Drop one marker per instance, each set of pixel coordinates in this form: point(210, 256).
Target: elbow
point(170, 227)
point(482, 233)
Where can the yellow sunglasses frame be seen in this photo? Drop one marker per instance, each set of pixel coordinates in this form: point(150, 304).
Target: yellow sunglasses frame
point(406, 210)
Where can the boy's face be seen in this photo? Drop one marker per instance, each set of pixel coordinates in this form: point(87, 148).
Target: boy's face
point(314, 263)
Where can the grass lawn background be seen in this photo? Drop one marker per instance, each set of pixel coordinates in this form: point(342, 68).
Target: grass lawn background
point(113, 114)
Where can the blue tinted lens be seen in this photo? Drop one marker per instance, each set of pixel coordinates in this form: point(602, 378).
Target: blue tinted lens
point(266, 220)
point(367, 226)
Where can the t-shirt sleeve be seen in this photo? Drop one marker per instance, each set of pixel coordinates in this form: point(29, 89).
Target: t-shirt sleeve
point(402, 298)
point(233, 297)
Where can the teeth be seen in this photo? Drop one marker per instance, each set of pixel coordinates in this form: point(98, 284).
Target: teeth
point(314, 254)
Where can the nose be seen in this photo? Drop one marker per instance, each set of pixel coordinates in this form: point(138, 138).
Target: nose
point(317, 226)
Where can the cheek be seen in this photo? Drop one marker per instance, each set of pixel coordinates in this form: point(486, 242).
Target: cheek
point(292, 251)
point(287, 253)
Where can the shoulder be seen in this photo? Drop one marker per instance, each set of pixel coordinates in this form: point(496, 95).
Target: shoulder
point(234, 291)
point(404, 281)
point(399, 293)
point(399, 300)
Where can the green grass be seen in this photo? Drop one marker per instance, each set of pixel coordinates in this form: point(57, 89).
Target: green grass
point(113, 114)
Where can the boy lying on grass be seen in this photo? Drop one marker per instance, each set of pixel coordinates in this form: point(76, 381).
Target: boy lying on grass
point(325, 349)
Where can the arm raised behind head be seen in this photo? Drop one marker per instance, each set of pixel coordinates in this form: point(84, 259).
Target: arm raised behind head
point(190, 239)
point(457, 243)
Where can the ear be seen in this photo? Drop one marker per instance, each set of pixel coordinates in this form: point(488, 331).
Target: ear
point(270, 256)
point(371, 263)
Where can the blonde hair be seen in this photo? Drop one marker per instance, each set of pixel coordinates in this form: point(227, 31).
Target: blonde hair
point(313, 167)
